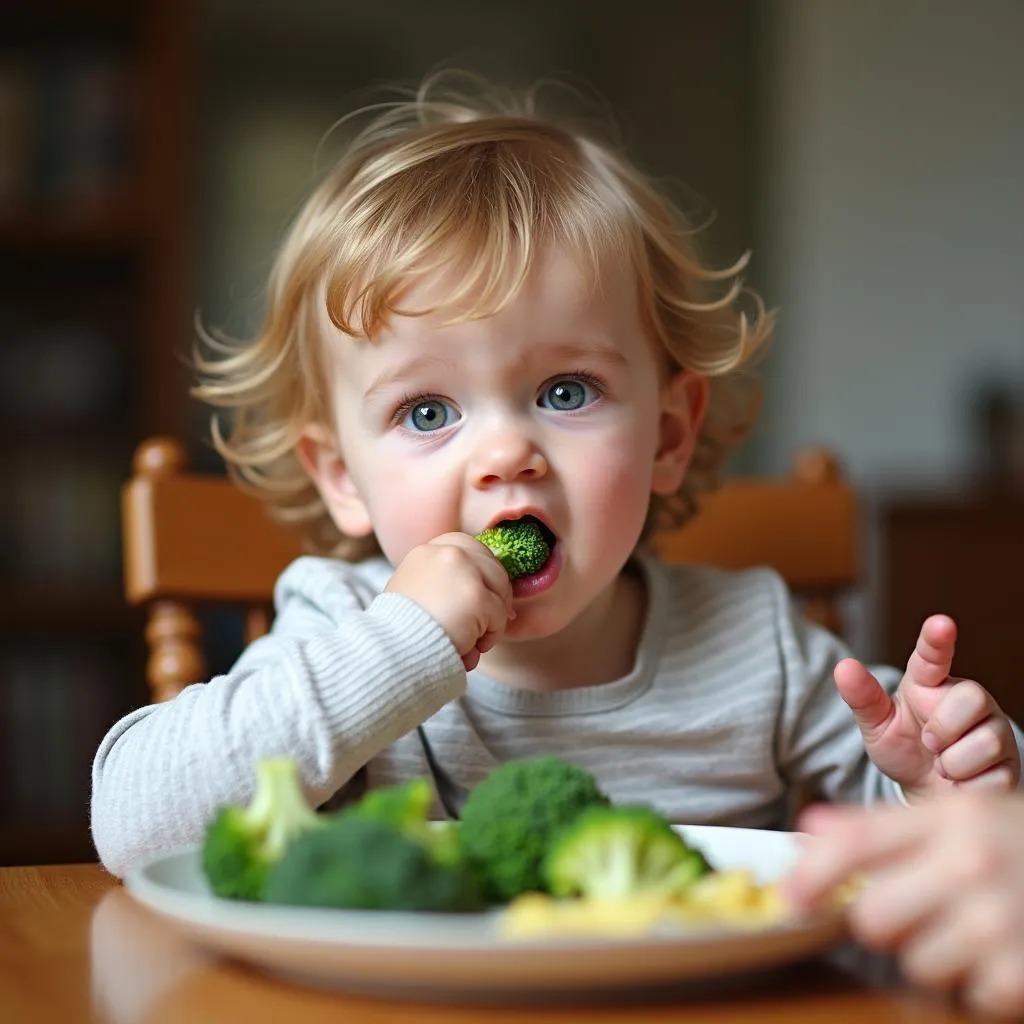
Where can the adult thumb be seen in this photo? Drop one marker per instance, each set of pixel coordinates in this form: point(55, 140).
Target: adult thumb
point(865, 696)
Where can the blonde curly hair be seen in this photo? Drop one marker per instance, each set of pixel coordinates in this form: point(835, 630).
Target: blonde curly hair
point(480, 181)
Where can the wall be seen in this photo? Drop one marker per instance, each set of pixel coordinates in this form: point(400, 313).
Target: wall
point(275, 76)
point(892, 225)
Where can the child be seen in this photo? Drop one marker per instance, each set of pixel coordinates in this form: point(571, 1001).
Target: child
point(946, 888)
point(480, 316)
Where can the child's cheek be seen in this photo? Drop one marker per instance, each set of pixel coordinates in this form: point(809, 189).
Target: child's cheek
point(615, 497)
point(409, 511)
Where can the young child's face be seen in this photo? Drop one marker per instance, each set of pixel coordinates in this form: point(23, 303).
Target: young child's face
point(554, 406)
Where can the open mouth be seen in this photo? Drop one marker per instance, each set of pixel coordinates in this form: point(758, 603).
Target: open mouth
point(543, 576)
point(546, 532)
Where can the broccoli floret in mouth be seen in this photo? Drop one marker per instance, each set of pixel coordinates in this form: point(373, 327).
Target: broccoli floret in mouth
point(522, 546)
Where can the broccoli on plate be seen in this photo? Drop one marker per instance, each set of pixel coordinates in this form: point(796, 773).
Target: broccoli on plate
point(405, 806)
point(610, 853)
point(362, 863)
point(520, 545)
point(510, 818)
point(242, 843)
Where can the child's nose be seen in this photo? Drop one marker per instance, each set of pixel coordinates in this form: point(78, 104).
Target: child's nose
point(506, 457)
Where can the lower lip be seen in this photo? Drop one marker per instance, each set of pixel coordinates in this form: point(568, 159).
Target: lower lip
point(529, 586)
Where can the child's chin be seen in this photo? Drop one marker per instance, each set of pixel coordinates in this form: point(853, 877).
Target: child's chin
point(532, 624)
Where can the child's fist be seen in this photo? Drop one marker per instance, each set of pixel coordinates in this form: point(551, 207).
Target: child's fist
point(459, 582)
point(937, 732)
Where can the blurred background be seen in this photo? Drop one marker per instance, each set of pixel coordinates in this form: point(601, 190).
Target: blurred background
point(870, 152)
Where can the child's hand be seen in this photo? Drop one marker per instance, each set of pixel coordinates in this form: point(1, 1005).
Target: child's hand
point(942, 885)
point(937, 732)
point(461, 584)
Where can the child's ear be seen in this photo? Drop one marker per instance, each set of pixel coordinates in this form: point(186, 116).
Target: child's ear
point(318, 453)
point(684, 401)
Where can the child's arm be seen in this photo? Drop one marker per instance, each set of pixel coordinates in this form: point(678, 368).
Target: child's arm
point(942, 884)
point(343, 674)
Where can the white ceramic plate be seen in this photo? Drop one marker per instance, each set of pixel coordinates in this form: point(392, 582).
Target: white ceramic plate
point(463, 956)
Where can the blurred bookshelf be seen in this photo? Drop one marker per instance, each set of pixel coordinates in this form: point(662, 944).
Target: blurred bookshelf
point(95, 316)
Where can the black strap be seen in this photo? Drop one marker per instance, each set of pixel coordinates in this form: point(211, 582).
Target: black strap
point(448, 793)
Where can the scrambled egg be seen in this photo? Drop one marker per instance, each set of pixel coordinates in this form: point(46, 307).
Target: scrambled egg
point(721, 898)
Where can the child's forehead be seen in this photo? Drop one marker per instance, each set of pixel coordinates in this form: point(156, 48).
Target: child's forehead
point(564, 309)
point(558, 284)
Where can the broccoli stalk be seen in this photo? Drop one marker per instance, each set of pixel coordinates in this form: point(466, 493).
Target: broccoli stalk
point(510, 818)
point(242, 843)
point(611, 853)
point(520, 545)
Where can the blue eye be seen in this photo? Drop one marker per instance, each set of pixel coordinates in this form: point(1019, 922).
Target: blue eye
point(432, 414)
point(567, 395)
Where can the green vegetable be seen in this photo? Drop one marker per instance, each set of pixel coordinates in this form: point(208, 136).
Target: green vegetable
point(361, 863)
point(520, 545)
point(242, 843)
point(615, 852)
point(405, 806)
point(511, 817)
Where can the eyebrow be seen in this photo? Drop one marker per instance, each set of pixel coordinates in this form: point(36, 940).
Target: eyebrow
point(584, 351)
point(394, 376)
point(570, 351)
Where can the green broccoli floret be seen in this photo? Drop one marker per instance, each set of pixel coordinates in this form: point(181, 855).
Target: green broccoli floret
point(520, 545)
point(360, 863)
point(615, 852)
point(510, 818)
point(405, 806)
point(242, 843)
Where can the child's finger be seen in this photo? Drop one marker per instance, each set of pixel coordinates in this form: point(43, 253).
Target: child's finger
point(487, 641)
point(1003, 778)
point(494, 616)
point(985, 746)
point(495, 578)
point(932, 658)
point(867, 699)
point(962, 707)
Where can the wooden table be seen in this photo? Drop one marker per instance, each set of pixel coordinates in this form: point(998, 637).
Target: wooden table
point(74, 946)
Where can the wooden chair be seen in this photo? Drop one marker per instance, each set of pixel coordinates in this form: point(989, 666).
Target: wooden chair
point(805, 527)
point(191, 539)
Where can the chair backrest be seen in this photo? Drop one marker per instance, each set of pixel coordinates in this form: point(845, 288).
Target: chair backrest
point(194, 538)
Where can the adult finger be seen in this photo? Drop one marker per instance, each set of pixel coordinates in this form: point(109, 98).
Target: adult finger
point(997, 986)
point(849, 842)
point(965, 932)
point(897, 900)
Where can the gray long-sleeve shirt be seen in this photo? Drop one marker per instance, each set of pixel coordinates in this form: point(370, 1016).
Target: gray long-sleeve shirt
point(729, 703)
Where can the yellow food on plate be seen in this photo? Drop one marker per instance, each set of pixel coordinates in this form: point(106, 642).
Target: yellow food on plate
point(721, 898)
point(730, 897)
point(535, 916)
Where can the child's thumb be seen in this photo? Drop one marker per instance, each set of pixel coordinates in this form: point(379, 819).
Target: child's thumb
point(865, 696)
